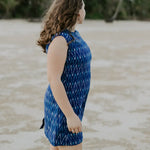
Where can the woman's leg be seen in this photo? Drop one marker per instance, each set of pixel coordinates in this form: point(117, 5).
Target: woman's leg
point(53, 147)
point(74, 147)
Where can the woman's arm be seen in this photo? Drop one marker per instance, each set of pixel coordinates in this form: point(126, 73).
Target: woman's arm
point(56, 57)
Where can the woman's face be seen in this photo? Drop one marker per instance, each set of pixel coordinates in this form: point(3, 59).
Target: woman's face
point(82, 14)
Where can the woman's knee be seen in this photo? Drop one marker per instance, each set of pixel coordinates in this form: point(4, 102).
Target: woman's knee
point(73, 147)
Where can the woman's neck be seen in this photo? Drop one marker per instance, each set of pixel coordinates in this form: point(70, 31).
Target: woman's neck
point(72, 29)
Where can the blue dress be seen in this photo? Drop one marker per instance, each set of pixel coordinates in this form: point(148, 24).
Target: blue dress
point(76, 80)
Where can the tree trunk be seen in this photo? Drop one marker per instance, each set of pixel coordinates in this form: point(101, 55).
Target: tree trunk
point(117, 9)
point(116, 12)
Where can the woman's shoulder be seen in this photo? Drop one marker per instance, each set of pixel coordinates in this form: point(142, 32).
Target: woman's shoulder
point(58, 43)
point(64, 33)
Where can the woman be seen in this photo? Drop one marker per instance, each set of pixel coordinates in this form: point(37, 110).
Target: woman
point(68, 73)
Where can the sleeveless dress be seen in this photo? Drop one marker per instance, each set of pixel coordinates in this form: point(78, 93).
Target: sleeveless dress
point(76, 80)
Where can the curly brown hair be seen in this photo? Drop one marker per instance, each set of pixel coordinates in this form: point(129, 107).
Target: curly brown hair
point(62, 14)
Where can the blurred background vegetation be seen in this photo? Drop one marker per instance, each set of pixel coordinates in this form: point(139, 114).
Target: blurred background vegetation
point(95, 9)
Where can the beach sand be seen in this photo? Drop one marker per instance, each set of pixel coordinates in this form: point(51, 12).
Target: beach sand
point(117, 113)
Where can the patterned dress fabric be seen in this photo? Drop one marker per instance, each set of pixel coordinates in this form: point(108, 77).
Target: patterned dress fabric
point(76, 78)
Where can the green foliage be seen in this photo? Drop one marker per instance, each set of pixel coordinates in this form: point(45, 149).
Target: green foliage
point(142, 9)
point(95, 9)
point(23, 8)
point(7, 7)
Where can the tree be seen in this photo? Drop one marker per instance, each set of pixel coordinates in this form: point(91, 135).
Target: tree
point(118, 8)
point(8, 6)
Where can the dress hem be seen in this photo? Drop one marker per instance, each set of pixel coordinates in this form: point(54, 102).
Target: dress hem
point(72, 143)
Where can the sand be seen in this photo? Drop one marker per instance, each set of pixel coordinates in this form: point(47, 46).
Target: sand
point(117, 113)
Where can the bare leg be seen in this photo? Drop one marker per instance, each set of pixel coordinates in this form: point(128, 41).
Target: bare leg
point(74, 147)
point(53, 147)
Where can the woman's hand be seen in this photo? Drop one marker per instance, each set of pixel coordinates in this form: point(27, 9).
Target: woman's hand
point(74, 124)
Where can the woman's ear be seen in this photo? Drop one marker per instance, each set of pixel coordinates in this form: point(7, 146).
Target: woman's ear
point(78, 18)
